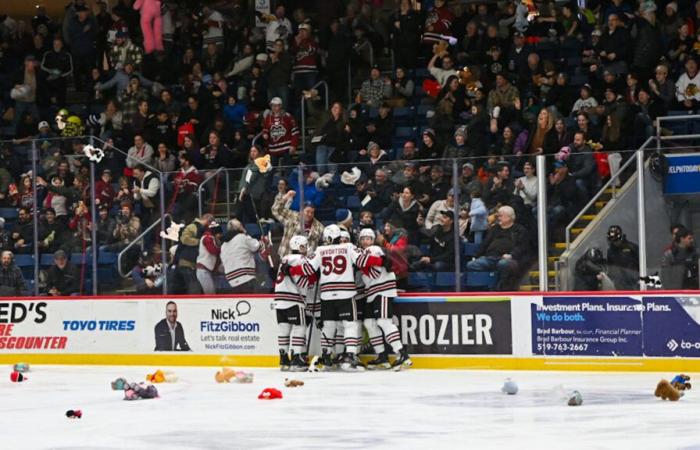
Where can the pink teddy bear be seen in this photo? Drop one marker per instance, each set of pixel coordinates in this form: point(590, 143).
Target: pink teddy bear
point(151, 24)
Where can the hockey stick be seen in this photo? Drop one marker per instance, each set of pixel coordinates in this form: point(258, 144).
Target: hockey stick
point(262, 231)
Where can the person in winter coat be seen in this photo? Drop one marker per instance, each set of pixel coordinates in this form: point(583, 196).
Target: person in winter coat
point(58, 66)
point(82, 32)
point(330, 135)
point(404, 211)
point(505, 246)
point(441, 256)
point(478, 217)
point(293, 226)
point(647, 44)
point(405, 34)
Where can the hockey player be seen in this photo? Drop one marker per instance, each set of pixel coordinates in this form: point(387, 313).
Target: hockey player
point(290, 305)
point(336, 262)
point(280, 133)
point(238, 257)
point(380, 288)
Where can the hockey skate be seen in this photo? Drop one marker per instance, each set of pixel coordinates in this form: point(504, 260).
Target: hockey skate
point(381, 362)
point(403, 361)
point(326, 361)
point(297, 364)
point(284, 361)
point(351, 363)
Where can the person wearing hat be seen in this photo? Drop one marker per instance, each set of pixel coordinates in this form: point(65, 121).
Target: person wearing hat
point(648, 44)
point(562, 199)
point(375, 89)
point(304, 59)
point(105, 226)
point(441, 256)
point(124, 52)
point(63, 278)
point(586, 101)
point(280, 133)
point(623, 260)
point(82, 32)
point(458, 149)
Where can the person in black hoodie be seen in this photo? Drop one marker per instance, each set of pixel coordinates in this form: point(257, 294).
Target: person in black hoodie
point(330, 137)
point(441, 257)
point(58, 66)
point(405, 34)
point(380, 129)
point(63, 277)
point(339, 47)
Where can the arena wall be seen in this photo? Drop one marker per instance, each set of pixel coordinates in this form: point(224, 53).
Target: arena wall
point(655, 331)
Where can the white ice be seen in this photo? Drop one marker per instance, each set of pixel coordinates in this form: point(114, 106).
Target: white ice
point(425, 409)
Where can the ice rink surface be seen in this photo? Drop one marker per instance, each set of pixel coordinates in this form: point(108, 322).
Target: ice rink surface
point(426, 409)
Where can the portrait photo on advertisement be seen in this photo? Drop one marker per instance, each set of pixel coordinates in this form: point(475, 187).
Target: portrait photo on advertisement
point(169, 334)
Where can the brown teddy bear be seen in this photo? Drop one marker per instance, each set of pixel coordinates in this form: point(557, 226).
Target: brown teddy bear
point(293, 383)
point(469, 79)
point(672, 390)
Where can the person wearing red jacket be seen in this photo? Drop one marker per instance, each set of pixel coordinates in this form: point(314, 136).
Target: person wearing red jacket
point(438, 23)
point(208, 260)
point(280, 133)
point(305, 63)
point(185, 183)
point(104, 191)
point(395, 243)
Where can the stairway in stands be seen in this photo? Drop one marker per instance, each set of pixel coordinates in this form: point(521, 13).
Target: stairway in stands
point(555, 249)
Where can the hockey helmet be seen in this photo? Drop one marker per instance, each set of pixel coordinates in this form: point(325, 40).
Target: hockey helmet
point(345, 235)
point(595, 254)
point(296, 242)
point(367, 233)
point(331, 233)
point(614, 233)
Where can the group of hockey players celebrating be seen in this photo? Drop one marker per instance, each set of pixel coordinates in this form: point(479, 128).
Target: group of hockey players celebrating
point(354, 286)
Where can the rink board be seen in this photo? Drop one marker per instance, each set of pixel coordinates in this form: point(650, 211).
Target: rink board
point(658, 331)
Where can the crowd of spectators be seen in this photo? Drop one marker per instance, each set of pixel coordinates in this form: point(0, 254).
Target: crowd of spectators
point(580, 82)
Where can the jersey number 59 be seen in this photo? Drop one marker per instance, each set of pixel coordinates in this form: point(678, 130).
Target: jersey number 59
point(336, 264)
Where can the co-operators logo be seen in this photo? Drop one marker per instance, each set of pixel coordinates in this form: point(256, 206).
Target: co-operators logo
point(672, 345)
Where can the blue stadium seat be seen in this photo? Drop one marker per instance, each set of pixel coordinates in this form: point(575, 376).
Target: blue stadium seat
point(106, 258)
point(405, 132)
point(24, 260)
point(481, 279)
point(470, 249)
point(9, 213)
point(46, 259)
point(421, 281)
point(445, 280)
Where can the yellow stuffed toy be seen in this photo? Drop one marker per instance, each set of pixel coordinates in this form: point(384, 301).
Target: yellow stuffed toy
point(160, 376)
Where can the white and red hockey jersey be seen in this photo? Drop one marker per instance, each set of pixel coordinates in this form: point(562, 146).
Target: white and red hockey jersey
point(305, 57)
point(290, 290)
point(337, 266)
point(438, 22)
point(281, 131)
point(377, 280)
point(238, 258)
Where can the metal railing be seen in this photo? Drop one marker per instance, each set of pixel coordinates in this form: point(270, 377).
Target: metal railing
point(201, 186)
point(371, 63)
point(303, 111)
point(602, 190)
point(137, 240)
